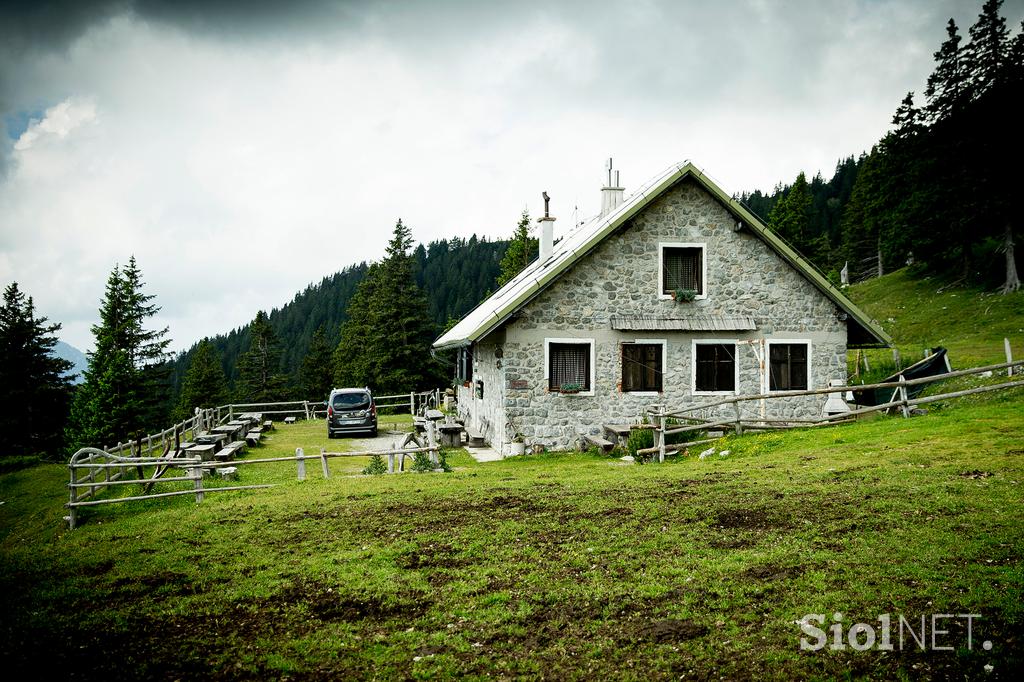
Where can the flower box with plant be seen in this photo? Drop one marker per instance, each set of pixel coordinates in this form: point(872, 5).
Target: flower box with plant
point(684, 295)
point(570, 388)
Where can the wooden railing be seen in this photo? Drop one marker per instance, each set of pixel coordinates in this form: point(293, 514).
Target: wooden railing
point(739, 423)
point(104, 470)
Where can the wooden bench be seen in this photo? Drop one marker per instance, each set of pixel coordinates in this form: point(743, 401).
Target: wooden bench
point(204, 451)
point(474, 439)
point(227, 453)
point(268, 425)
point(598, 442)
point(238, 445)
point(212, 438)
point(253, 438)
point(435, 415)
point(289, 420)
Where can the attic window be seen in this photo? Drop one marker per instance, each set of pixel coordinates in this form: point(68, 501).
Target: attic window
point(682, 266)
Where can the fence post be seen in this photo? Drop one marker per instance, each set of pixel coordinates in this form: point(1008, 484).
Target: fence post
point(412, 403)
point(305, 407)
point(197, 478)
point(662, 437)
point(323, 463)
point(300, 459)
point(739, 424)
point(903, 397)
point(72, 497)
point(391, 462)
point(231, 412)
point(1009, 356)
point(896, 358)
point(432, 441)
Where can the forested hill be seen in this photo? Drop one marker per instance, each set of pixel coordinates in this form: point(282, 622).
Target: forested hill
point(455, 273)
point(935, 191)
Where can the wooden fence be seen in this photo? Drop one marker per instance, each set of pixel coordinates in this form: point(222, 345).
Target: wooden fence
point(92, 470)
point(736, 421)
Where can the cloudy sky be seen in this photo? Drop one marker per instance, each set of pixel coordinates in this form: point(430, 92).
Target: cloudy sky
point(241, 150)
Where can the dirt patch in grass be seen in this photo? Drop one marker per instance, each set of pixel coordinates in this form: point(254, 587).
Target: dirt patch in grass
point(770, 572)
point(432, 556)
point(670, 630)
point(751, 519)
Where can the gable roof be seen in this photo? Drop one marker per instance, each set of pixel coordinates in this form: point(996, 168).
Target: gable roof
point(496, 310)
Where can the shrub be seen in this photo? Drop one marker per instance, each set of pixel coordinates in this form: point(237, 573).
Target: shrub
point(376, 466)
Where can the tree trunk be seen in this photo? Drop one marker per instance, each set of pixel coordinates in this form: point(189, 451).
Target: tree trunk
point(1012, 281)
point(880, 271)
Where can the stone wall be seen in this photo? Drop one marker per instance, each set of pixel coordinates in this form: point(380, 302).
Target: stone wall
point(744, 277)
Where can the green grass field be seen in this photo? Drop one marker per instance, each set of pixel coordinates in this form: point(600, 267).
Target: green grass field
point(556, 566)
point(924, 313)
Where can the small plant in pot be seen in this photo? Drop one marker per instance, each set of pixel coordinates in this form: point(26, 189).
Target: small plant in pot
point(518, 444)
point(684, 295)
point(570, 388)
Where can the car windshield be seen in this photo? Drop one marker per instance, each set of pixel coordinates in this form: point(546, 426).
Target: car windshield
point(351, 401)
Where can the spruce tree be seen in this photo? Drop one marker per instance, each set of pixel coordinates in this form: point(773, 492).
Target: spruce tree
point(790, 218)
point(385, 343)
point(259, 369)
point(34, 384)
point(317, 368)
point(125, 385)
point(948, 85)
point(521, 250)
point(204, 385)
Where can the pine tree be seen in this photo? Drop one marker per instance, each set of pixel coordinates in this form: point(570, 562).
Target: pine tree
point(790, 218)
point(948, 85)
point(986, 54)
point(35, 384)
point(204, 385)
point(385, 343)
point(125, 384)
point(317, 367)
point(521, 250)
point(259, 369)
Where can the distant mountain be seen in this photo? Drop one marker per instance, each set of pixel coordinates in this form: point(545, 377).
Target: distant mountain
point(76, 357)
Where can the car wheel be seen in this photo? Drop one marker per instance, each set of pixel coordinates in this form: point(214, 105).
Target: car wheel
point(373, 432)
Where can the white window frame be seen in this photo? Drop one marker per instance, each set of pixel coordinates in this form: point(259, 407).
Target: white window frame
point(693, 365)
point(664, 365)
point(768, 363)
point(703, 266)
point(593, 364)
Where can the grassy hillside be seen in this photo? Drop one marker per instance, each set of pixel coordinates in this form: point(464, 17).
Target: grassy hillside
point(924, 313)
point(561, 565)
point(558, 566)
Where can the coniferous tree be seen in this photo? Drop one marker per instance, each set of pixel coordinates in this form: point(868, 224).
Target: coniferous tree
point(204, 385)
point(124, 385)
point(317, 367)
point(948, 85)
point(521, 250)
point(34, 383)
point(259, 369)
point(385, 343)
point(791, 217)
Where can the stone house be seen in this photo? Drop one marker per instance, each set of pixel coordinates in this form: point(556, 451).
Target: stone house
point(674, 295)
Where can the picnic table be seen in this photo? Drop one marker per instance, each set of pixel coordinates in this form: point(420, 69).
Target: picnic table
point(205, 451)
point(212, 438)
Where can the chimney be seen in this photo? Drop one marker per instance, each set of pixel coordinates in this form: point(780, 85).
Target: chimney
point(611, 194)
point(547, 231)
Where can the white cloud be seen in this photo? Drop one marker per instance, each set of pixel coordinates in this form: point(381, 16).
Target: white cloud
point(238, 169)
